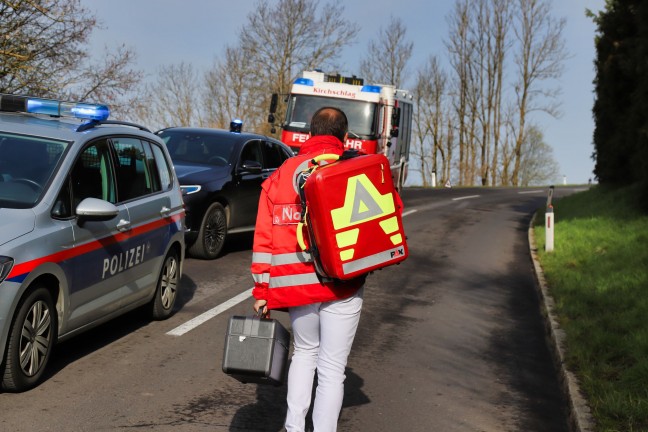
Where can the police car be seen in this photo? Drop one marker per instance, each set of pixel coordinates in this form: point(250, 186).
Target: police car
point(91, 226)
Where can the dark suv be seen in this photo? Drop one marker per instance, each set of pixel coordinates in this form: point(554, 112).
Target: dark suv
point(220, 176)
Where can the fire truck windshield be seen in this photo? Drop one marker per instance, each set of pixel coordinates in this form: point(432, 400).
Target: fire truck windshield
point(361, 114)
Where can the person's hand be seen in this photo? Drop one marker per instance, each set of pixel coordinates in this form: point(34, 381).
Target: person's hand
point(261, 304)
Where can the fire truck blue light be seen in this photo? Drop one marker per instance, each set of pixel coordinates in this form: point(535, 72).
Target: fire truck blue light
point(305, 81)
point(370, 89)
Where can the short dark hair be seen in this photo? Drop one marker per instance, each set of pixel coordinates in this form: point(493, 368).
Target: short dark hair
point(329, 121)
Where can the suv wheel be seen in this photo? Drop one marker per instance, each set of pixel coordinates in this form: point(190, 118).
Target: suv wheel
point(167, 287)
point(31, 339)
point(212, 233)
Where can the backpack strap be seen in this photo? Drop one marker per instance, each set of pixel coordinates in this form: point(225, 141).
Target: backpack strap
point(316, 162)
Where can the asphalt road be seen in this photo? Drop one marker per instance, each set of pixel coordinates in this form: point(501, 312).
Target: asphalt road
point(450, 340)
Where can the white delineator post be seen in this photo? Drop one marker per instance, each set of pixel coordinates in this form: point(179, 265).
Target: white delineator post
point(549, 223)
point(549, 229)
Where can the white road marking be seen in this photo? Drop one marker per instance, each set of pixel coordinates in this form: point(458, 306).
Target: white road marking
point(533, 192)
point(465, 197)
point(206, 316)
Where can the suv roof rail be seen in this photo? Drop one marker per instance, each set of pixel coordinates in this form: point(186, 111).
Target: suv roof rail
point(91, 124)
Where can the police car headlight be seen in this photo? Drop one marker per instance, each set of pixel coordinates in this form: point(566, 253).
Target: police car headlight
point(190, 189)
point(6, 264)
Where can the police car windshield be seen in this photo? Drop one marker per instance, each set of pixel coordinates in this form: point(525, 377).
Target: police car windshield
point(361, 115)
point(26, 165)
point(200, 148)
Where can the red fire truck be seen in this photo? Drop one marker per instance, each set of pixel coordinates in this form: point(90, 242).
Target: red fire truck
point(380, 116)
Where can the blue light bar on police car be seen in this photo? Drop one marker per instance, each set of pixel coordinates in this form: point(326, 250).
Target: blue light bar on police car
point(52, 107)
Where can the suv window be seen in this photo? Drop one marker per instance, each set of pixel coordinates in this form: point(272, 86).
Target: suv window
point(252, 152)
point(274, 155)
point(90, 177)
point(198, 147)
point(26, 165)
point(141, 169)
point(158, 164)
point(134, 178)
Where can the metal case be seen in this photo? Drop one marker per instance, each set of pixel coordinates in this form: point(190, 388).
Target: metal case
point(256, 350)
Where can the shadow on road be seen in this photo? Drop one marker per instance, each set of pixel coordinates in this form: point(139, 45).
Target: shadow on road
point(268, 412)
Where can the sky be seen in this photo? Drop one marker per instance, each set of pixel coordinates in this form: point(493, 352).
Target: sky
point(165, 32)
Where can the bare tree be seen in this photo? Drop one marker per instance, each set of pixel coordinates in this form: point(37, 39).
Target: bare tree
point(507, 153)
point(280, 39)
point(539, 58)
point(423, 150)
point(538, 166)
point(429, 123)
point(231, 92)
point(477, 47)
point(498, 32)
point(43, 51)
point(489, 35)
point(482, 35)
point(387, 57)
point(112, 81)
point(420, 150)
point(460, 49)
point(172, 100)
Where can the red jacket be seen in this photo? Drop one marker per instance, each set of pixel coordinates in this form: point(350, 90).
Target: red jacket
point(284, 275)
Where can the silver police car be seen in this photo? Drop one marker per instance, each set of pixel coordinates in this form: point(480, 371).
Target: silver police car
point(91, 226)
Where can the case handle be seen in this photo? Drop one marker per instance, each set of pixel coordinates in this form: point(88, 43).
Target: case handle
point(260, 313)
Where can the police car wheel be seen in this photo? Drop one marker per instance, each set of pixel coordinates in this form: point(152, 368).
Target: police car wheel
point(167, 287)
point(31, 339)
point(212, 233)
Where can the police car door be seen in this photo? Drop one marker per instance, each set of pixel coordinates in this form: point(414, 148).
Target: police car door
point(97, 271)
point(139, 189)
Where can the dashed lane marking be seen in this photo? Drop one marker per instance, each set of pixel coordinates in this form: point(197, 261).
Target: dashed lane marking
point(465, 197)
point(204, 317)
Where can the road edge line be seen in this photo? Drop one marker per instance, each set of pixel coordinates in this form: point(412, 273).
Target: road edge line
point(579, 415)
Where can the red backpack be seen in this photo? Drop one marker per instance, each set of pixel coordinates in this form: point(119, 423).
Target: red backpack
point(352, 215)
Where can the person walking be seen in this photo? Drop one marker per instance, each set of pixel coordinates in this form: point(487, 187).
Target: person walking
point(324, 313)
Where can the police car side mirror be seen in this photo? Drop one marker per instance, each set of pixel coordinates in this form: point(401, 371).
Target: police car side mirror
point(95, 209)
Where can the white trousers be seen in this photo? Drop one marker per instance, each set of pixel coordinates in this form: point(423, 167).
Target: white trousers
point(323, 335)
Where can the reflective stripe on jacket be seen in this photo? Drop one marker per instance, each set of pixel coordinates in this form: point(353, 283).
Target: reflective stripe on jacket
point(283, 274)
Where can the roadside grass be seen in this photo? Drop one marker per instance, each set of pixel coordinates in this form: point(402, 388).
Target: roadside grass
point(598, 277)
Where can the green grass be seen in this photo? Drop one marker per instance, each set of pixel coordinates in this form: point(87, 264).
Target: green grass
point(598, 276)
